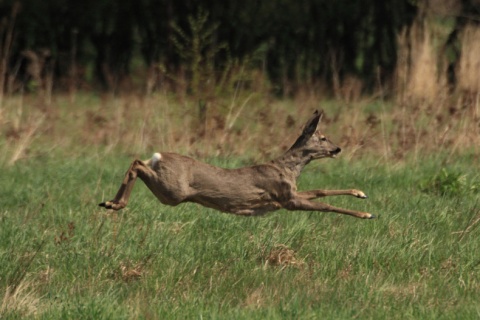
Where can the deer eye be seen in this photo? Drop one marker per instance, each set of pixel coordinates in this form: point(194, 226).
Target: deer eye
point(323, 138)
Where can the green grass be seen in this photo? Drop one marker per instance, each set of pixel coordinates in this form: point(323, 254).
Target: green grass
point(66, 258)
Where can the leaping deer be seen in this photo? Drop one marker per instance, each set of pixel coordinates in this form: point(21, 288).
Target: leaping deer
point(248, 191)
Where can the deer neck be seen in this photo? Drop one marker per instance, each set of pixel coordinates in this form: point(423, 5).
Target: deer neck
point(293, 162)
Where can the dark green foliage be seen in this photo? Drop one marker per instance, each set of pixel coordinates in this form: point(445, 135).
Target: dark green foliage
point(292, 40)
point(448, 183)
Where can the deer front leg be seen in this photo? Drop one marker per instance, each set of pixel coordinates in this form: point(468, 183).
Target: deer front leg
point(299, 203)
point(313, 194)
point(121, 199)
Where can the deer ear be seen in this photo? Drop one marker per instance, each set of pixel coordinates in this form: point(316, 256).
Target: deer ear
point(312, 123)
point(308, 130)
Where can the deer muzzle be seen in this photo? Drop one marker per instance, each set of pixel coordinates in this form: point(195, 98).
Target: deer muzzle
point(334, 153)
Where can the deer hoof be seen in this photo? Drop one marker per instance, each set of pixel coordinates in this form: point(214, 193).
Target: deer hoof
point(111, 205)
point(359, 194)
point(372, 216)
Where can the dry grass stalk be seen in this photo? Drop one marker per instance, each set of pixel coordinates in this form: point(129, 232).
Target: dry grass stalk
point(469, 228)
point(6, 41)
point(283, 256)
point(418, 69)
point(261, 130)
point(256, 298)
point(469, 66)
point(25, 141)
point(130, 272)
point(20, 300)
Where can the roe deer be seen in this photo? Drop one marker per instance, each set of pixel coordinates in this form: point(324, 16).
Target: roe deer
point(247, 191)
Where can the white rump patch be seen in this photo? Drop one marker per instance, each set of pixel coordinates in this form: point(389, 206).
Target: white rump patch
point(155, 158)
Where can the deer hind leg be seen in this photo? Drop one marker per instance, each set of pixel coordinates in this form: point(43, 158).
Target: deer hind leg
point(313, 194)
point(299, 203)
point(121, 199)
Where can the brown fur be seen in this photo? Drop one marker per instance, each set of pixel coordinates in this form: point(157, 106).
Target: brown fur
point(248, 191)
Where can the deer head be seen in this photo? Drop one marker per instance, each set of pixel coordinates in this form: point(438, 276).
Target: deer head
point(312, 144)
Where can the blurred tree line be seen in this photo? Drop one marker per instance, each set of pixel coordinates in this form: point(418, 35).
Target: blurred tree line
point(101, 41)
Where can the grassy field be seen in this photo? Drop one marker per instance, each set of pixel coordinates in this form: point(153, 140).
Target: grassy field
point(413, 147)
point(62, 257)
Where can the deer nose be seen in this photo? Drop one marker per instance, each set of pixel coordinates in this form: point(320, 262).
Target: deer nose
point(336, 151)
